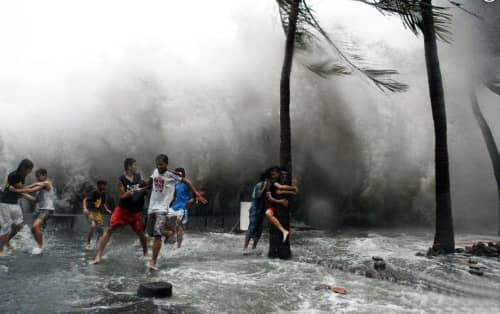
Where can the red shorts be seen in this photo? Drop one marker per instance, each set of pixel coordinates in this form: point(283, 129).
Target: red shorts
point(121, 217)
point(272, 209)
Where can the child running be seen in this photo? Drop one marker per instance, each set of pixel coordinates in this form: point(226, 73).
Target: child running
point(275, 197)
point(129, 210)
point(163, 182)
point(92, 207)
point(181, 201)
point(11, 214)
point(44, 205)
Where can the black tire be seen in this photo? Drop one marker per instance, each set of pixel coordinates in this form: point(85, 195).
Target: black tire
point(159, 289)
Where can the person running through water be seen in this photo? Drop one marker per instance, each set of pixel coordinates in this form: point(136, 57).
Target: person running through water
point(163, 182)
point(276, 197)
point(92, 207)
point(11, 214)
point(181, 202)
point(44, 205)
point(256, 212)
point(131, 190)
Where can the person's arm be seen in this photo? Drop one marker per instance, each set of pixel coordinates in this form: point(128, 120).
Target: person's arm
point(84, 205)
point(36, 187)
point(106, 208)
point(147, 186)
point(284, 187)
point(122, 192)
point(197, 195)
point(29, 197)
point(285, 192)
point(283, 202)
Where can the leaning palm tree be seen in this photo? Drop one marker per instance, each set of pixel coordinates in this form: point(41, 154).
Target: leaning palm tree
point(305, 33)
point(432, 21)
point(489, 140)
point(488, 74)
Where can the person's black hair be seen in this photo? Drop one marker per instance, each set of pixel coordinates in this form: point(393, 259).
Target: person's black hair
point(24, 166)
point(181, 170)
point(271, 169)
point(128, 162)
point(162, 158)
point(41, 172)
point(263, 176)
point(101, 182)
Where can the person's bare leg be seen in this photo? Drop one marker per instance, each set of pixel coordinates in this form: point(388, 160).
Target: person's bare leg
point(247, 241)
point(102, 244)
point(156, 251)
point(15, 230)
point(277, 224)
point(180, 232)
point(3, 241)
point(36, 229)
point(144, 243)
point(255, 241)
point(91, 232)
point(99, 232)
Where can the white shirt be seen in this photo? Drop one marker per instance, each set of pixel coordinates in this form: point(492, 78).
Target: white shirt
point(163, 191)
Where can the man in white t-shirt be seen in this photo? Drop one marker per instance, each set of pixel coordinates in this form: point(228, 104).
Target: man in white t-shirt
point(162, 183)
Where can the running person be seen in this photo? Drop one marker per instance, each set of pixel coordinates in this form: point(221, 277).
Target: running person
point(44, 205)
point(129, 210)
point(181, 201)
point(11, 214)
point(163, 182)
point(93, 205)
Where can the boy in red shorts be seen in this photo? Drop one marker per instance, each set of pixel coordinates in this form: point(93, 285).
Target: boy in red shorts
point(129, 210)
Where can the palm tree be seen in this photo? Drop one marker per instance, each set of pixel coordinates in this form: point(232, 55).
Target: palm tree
point(488, 74)
point(431, 21)
point(490, 142)
point(304, 32)
point(300, 26)
point(285, 134)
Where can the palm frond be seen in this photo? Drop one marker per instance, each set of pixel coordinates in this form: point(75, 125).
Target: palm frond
point(410, 13)
point(310, 35)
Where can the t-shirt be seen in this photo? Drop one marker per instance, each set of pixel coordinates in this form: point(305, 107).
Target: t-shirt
point(182, 195)
point(96, 201)
point(135, 203)
point(163, 191)
point(45, 199)
point(8, 196)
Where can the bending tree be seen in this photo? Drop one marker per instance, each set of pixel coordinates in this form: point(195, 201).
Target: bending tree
point(431, 21)
point(490, 143)
point(302, 28)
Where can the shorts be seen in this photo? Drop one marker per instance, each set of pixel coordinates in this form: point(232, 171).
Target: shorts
point(272, 209)
point(10, 214)
point(256, 223)
point(96, 217)
point(159, 223)
point(121, 217)
point(182, 211)
point(42, 214)
point(177, 213)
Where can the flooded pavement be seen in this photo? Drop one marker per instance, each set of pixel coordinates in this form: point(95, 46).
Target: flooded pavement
point(209, 274)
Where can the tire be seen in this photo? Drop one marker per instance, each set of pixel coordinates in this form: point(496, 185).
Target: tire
point(159, 289)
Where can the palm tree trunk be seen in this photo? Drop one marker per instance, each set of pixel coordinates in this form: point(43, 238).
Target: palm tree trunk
point(444, 236)
point(278, 248)
point(490, 144)
point(286, 141)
